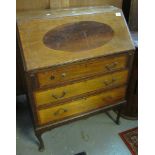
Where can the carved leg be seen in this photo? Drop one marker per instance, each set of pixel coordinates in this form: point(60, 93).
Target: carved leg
point(118, 115)
point(41, 143)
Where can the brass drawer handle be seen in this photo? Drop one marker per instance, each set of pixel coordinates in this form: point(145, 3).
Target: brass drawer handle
point(107, 83)
point(60, 111)
point(52, 77)
point(111, 67)
point(61, 96)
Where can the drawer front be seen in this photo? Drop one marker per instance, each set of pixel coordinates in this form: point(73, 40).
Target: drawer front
point(65, 73)
point(60, 93)
point(81, 106)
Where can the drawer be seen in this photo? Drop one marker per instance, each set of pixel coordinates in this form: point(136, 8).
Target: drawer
point(64, 92)
point(74, 71)
point(81, 106)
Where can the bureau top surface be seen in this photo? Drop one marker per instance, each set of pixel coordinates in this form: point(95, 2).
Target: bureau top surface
point(54, 37)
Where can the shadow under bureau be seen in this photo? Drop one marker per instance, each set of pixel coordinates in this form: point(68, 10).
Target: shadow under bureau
point(76, 62)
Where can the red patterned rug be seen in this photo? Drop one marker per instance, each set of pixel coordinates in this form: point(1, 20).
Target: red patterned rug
point(130, 138)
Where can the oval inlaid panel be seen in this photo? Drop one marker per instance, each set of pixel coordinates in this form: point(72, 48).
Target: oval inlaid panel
point(80, 36)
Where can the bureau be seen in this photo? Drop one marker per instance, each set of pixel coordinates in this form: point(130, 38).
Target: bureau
point(76, 63)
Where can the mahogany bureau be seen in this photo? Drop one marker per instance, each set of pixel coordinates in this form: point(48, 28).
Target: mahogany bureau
point(76, 63)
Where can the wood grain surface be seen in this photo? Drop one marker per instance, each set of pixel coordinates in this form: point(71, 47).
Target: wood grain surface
point(80, 106)
point(79, 3)
point(60, 93)
point(82, 38)
point(22, 5)
point(74, 71)
point(34, 25)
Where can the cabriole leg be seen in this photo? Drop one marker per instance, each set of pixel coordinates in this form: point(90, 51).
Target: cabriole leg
point(41, 143)
point(118, 115)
